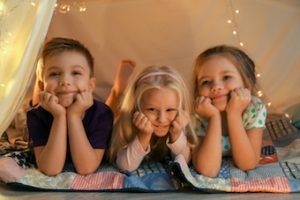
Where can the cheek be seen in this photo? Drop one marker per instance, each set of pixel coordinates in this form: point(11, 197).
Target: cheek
point(172, 116)
point(150, 116)
point(203, 91)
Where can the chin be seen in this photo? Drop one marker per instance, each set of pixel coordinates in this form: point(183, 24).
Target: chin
point(66, 102)
point(221, 106)
point(161, 133)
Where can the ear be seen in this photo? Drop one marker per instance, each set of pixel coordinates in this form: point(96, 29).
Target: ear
point(41, 85)
point(92, 83)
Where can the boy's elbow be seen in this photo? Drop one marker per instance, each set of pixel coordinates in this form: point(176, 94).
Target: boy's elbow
point(86, 171)
point(50, 172)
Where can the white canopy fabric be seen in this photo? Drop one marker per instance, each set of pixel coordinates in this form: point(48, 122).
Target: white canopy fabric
point(174, 32)
point(23, 27)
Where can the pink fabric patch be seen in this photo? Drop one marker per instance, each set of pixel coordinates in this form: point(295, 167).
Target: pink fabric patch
point(274, 184)
point(97, 181)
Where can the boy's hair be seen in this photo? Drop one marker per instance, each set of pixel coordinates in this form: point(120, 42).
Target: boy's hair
point(58, 45)
point(149, 78)
point(240, 59)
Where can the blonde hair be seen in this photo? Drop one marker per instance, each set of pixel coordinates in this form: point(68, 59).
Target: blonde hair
point(243, 63)
point(149, 78)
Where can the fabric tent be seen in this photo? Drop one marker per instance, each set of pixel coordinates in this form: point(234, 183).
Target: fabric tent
point(174, 32)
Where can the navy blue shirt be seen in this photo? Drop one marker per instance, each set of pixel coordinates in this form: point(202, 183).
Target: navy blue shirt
point(97, 122)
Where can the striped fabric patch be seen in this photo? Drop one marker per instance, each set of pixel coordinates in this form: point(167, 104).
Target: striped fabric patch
point(274, 184)
point(98, 181)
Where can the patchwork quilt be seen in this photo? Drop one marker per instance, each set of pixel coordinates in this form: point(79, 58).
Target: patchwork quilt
point(278, 171)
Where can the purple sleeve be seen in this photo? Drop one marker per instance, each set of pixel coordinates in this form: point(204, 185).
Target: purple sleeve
point(38, 127)
point(99, 123)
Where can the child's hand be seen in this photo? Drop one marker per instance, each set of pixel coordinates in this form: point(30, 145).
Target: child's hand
point(83, 101)
point(204, 107)
point(142, 123)
point(239, 100)
point(50, 103)
point(178, 124)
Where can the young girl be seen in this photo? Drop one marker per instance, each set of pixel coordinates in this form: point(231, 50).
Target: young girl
point(230, 119)
point(154, 119)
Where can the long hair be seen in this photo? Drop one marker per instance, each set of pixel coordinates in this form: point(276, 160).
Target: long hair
point(149, 78)
point(243, 63)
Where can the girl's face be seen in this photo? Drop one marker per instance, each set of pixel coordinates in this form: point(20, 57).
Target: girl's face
point(217, 77)
point(65, 75)
point(160, 106)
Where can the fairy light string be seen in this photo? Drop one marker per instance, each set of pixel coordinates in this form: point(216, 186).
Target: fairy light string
point(234, 13)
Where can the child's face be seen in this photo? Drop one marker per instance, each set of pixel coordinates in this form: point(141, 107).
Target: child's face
point(218, 76)
point(161, 107)
point(65, 75)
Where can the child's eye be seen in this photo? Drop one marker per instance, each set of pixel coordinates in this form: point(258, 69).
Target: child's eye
point(171, 110)
point(53, 74)
point(205, 83)
point(225, 78)
point(151, 109)
point(76, 73)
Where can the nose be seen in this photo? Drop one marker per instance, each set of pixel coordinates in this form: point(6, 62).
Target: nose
point(64, 80)
point(217, 86)
point(162, 117)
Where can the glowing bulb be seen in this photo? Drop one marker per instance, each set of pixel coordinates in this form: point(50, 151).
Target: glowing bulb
point(2, 9)
point(269, 104)
point(258, 75)
point(229, 21)
point(259, 93)
point(33, 3)
point(234, 32)
point(241, 44)
point(287, 115)
point(237, 11)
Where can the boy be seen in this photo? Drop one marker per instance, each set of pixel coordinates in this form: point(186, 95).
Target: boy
point(69, 126)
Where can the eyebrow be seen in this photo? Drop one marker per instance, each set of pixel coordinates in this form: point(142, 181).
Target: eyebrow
point(223, 72)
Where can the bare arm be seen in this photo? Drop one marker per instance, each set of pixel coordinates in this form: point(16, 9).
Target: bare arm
point(86, 159)
point(51, 157)
point(207, 156)
point(245, 146)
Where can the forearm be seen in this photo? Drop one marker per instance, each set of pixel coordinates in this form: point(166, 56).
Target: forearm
point(51, 158)
point(243, 153)
point(130, 158)
point(84, 156)
point(180, 146)
point(207, 157)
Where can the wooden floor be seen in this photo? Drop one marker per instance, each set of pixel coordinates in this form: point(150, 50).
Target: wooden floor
point(9, 194)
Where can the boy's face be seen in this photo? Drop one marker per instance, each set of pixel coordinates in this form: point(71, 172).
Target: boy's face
point(65, 75)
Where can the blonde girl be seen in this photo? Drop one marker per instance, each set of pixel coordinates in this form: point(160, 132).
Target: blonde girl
point(230, 119)
point(154, 119)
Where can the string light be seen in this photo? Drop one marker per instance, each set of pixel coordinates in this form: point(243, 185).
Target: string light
point(65, 6)
point(232, 21)
point(233, 12)
point(260, 93)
